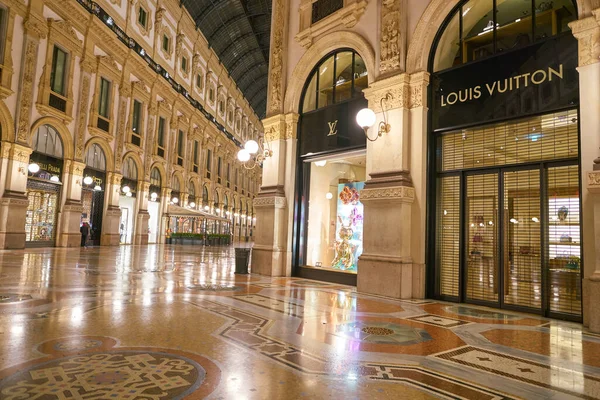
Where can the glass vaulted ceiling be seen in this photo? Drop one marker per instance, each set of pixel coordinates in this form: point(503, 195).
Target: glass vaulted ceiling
point(239, 32)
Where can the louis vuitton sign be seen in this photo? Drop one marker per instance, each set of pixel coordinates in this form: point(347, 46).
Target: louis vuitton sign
point(530, 80)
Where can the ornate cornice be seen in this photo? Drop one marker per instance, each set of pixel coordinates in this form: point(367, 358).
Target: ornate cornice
point(587, 32)
point(269, 202)
point(35, 27)
point(593, 181)
point(404, 193)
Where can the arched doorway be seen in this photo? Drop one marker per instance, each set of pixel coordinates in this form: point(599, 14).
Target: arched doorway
point(154, 205)
point(44, 184)
point(331, 170)
point(92, 196)
point(127, 200)
point(504, 168)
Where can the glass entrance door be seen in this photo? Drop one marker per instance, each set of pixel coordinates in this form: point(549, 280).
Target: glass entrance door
point(482, 244)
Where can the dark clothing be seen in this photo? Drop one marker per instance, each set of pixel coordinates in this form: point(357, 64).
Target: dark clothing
point(85, 231)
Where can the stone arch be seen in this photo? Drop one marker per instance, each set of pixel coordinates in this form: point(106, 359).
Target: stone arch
point(7, 125)
point(62, 130)
point(319, 49)
point(138, 163)
point(197, 187)
point(433, 18)
point(108, 153)
point(163, 173)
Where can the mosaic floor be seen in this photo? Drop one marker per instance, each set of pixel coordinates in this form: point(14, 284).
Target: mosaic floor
point(174, 322)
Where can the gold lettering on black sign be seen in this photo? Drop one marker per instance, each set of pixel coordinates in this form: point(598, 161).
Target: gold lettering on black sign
point(332, 128)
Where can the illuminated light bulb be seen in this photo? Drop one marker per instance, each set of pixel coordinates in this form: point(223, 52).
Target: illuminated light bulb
point(206, 208)
point(153, 195)
point(251, 147)
point(128, 194)
point(329, 196)
point(54, 178)
point(320, 163)
point(243, 155)
point(88, 180)
point(97, 188)
point(365, 118)
point(175, 200)
point(193, 205)
point(33, 168)
point(126, 189)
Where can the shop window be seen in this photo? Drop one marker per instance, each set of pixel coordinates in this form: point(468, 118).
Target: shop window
point(475, 31)
point(47, 141)
point(95, 158)
point(136, 120)
point(42, 211)
point(335, 213)
point(155, 178)
point(130, 169)
point(180, 148)
point(143, 17)
point(160, 140)
point(195, 160)
point(340, 77)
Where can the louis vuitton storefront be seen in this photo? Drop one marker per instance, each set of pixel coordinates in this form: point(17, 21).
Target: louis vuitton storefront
point(331, 170)
point(505, 226)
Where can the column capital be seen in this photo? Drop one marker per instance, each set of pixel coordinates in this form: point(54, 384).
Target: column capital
point(16, 152)
point(276, 128)
point(398, 91)
point(587, 32)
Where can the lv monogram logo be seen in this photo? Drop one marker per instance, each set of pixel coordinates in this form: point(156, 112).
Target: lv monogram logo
point(332, 128)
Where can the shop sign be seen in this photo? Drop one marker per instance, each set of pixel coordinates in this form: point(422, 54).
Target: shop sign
point(539, 78)
point(49, 166)
point(97, 176)
point(333, 128)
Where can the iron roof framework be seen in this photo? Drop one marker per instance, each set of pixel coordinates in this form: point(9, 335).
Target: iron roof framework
point(239, 32)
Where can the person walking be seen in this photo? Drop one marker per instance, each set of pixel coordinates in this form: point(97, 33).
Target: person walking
point(85, 231)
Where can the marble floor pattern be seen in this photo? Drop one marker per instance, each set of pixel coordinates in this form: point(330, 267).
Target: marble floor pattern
point(175, 322)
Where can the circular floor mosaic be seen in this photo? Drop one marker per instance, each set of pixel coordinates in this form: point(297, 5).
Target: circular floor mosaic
point(106, 375)
point(382, 332)
point(93, 367)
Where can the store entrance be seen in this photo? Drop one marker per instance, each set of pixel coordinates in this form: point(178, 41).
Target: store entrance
point(511, 215)
point(508, 229)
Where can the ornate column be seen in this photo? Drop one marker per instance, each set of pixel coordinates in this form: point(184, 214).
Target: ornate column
point(70, 214)
point(587, 32)
point(387, 266)
point(112, 212)
point(142, 217)
point(13, 204)
point(274, 204)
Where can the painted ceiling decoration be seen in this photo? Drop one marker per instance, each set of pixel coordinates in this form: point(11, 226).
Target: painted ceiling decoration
point(239, 32)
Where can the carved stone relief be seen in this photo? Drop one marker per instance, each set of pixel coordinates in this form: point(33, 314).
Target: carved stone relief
point(83, 111)
point(393, 35)
point(26, 91)
point(276, 74)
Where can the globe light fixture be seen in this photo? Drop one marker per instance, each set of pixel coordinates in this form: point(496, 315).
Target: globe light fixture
point(97, 188)
point(175, 200)
point(254, 153)
point(128, 194)
point(329, 196)
point(33, 168)
point(193, 205)
point(88, 180)
point(320, 163)
point(126, 189)
point(54, 178)
point(153, 195)
point(206, 208)
point(366, 118)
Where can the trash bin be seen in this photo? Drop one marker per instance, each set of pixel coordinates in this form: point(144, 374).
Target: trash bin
point(242, 259)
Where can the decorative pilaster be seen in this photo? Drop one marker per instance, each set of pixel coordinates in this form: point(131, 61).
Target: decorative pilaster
point(393, 39)
point(122, 120)
point(112, 213)
point(70, 215)
point(35, 29)
point(592, 294)
point(87, 69)
point(279, 28)
point(142, 217)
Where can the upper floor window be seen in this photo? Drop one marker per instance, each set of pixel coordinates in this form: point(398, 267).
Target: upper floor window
point(160, 140)
point(221, 106)
point(155, 179)
point(166, 43)
point(59, 71)
point(184, 64)
point(475, 30)
point(324, 8)
point(47, 141)
point(195, 155)
point(208, 162)
point(3, 27)
point(180, 146)
point(230, 116)
point(95, 158)
point(199, 81)
point(130, 169)
point(136, 121)
point(143, 17)
point(219, 169)
point(337, 78)
point(104, 101)
point(211, 95)
point(228, 174)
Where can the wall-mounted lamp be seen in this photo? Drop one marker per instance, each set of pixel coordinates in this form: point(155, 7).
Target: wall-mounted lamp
point(33, 168)
point(206, 208)
point(97, 188)
point(192, 205)
point(175, 200)
point(366, 118)
point(128, 194)
point(88, 180)
point(126, 189)
point(153, 196)
point(254, 153)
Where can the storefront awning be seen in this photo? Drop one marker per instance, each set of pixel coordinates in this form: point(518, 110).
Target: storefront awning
point(177, 211)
